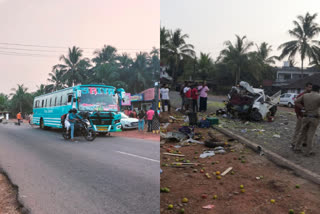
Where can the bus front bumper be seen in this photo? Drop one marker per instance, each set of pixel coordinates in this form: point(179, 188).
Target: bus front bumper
point(108, 128)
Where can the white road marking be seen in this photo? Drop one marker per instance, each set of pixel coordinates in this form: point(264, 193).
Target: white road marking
point(137, 156)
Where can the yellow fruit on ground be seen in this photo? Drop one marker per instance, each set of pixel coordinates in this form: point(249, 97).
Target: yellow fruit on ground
point(185, 200)
point(215, 197)
point(218, 177)
point(241, 186)
point(218, 173)
point(272, 201)
point(243, 190)
point(170, 206)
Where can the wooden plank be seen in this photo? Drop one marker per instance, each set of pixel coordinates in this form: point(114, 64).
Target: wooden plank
point(226, 171)
point(173, 154)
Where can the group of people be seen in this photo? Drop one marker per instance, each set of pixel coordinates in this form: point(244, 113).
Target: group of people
point(148, 117)
point(190, 94)
point(307, 106)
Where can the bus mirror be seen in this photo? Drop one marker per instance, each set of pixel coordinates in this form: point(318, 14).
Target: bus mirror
point(74, 100)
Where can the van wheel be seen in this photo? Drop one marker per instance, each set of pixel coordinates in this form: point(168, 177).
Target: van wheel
point(290, 105)
point(255, 115)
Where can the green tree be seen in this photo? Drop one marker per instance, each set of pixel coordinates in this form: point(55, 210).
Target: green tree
point(21, 100)
point(56, 80)
point(74, 68)
point(205, 65)
point(178, 50)
point(236, 55)
point(304, 31)
point(4, 102)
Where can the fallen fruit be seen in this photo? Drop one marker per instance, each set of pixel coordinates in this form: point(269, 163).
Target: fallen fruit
point(204, 196)
point(177, 159)
point(272, 201)
point(232, 173)
point(182, 210)
point(215, 197)
point(241, 186)
point(218, 177)
point(184, 200)
point(218, 173)
point(166, 189)
point(243, 190)
point(188, 161)
point(170, 206)
point(195, 152)
point(202, 171)
point(291, 211)
point(243, 161)
point(297, 186)
point(217, 161)
point(213, 163)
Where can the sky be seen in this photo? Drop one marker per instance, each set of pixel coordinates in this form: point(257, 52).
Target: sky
point(209, 23)
point(130, 26)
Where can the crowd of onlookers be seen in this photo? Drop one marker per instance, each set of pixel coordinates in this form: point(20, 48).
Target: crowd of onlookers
point(193, 95)
point(150, 117)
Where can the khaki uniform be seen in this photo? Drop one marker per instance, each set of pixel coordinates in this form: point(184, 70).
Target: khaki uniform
point(310, 120)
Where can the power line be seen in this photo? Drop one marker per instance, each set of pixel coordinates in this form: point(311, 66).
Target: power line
point(59, 47)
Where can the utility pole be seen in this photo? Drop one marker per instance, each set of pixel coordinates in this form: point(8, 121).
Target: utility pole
point(156, 94)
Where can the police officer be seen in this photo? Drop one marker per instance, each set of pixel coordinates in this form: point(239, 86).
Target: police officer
point(310, 120)
point(299, 115)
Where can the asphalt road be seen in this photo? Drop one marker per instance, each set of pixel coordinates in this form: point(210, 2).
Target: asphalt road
point(109, 175)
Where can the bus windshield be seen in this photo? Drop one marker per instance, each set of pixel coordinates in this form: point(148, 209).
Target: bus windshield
point(98, 102)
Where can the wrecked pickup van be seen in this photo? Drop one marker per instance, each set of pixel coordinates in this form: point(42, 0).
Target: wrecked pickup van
point(248, 103)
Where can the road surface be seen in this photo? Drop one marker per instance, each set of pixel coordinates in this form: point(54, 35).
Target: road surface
point(109, 175)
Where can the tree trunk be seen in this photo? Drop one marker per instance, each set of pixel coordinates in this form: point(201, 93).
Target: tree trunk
point(237, 76)
point(301, 68)
point(20, 107)
point(174, 71)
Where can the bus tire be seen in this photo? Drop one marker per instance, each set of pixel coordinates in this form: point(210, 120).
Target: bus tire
point(41, 124)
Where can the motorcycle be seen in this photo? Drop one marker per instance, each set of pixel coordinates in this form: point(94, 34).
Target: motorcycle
point(81, 128)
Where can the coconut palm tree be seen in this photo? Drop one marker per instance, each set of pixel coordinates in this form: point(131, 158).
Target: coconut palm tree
point(107, 54)
point(178, 50)
point(56, 80)
point(236, 55)
point(263, 53)
point(74, 67)
point(4, 101)
point(304, 31)
point(154, 64)
point(20, 98)
point(141, 73)
point(164, 42)
point(205, 65)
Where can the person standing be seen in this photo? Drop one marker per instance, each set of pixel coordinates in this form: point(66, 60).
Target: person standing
point(299, 115)
point(164, 91)
point(187, 96)
point(203, 89)
point(19, 118)
point(310, 119)
point(194, 95)
point(141, 117)
point(182, 95)
point(72, 120)
point(150, 114)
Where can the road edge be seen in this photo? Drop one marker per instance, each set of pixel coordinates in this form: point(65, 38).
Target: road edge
point(21, 207)
point(275, 158)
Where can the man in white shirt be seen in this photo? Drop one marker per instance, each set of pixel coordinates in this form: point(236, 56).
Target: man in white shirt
point(164, 91)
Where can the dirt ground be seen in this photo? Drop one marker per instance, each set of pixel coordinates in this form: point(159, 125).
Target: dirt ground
point(8, 202)
point(273, 182)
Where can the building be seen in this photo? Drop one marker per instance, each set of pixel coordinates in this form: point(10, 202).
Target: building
point(299, 85)
point(287, 75)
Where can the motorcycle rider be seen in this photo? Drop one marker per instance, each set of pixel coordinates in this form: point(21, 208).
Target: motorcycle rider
point(66, 121)
point(73, 117)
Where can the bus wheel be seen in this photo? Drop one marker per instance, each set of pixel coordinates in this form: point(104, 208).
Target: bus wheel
point(41, 124)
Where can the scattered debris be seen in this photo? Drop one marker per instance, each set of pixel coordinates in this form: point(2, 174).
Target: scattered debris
point(276, 135)
point(210, 206)
point(206, 154)
point(226, 171)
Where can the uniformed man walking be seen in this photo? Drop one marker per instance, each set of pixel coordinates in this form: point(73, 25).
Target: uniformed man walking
point(299, 115)
point(310, 120)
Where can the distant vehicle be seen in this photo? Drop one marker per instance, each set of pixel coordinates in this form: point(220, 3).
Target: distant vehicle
point(1, 117)
point(288, 99)
point(128, 122)
point(250, 103)
point(100, 102)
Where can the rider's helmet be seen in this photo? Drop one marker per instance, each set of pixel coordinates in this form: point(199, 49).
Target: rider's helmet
point(74, 110)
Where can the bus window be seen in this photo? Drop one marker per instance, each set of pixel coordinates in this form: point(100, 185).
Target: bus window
point(50, 102)
point(42, 105)
point(46, 103)
point(69, 99)
point(55, 101)
point(61, 100)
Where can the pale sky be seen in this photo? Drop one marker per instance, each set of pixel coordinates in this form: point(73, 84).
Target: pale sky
point(209, 23)
point(129, 25)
